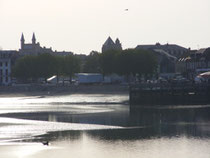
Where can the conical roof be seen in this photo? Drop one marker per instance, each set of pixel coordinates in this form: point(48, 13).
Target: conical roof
point(109, 41)
point(117, 41)
point(33, 37)
point(22, 37)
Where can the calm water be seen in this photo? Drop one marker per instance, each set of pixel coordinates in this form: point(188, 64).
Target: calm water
point(98, 125)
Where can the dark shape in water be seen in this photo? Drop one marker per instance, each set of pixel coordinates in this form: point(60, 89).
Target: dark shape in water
point(45, 143)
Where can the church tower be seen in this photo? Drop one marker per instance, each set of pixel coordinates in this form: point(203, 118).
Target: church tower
point(118, 44)
point(22, 41)
point(33, 39)
point(108, 45)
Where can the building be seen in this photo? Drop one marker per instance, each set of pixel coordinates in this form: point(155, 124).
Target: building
point(111, 45)
point(34, 48)
point(166, 62)
point(167, 56)
point(196, 62)
point(172, 49)
point(7, 59)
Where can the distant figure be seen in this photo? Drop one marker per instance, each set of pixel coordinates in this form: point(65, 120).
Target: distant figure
point(45, 143)
point(126, 9)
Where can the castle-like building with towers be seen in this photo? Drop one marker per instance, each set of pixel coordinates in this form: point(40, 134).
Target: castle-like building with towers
point(111, 45)
point(34, 48)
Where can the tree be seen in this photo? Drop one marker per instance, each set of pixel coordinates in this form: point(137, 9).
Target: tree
point(92, 64)
point(71, 66)
point(136, 62)
point(25, 69)
point(47, 65)
point(30, 68)
point(146, 62)
point(109, 62)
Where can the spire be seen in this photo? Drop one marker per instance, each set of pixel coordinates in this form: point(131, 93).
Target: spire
point(22, 38)
point(33, 39)
point(22, 41)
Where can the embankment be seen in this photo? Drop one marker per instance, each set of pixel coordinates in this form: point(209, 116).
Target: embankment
point(38, 89)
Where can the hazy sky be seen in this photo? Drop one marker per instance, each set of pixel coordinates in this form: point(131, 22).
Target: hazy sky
point(84, 25)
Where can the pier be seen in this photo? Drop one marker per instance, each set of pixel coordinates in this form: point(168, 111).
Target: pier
point(169, 94)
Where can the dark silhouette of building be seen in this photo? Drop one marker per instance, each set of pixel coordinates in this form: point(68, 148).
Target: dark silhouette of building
point(172, 49)
point(111, 45)
point(194, 63)
point(34, 48)
point(7, 59)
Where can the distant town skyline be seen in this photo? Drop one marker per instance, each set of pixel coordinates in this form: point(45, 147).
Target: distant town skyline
point(81, 26)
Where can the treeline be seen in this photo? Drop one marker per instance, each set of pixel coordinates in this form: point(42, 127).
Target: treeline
point(127, 62)
point(31, 68)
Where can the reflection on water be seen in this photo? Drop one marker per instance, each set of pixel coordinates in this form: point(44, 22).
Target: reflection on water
point(145, 148)
point(174, 121)
point(96, 128)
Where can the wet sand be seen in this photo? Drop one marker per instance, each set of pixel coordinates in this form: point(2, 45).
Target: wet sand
point(11, 145)
point(51, 90)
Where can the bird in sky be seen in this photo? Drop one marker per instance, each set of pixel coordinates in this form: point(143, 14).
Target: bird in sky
point(126, 9)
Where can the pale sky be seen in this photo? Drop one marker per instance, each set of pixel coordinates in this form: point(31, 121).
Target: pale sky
point(83, 25)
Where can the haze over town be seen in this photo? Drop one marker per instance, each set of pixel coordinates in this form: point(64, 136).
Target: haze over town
point(81, 26)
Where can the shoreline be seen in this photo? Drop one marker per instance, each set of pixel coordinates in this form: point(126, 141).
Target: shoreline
point(51, 90)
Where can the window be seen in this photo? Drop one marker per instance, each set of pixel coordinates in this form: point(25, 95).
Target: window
point(6, 72)
point(6, 79)
point(0, 63)
point(6, 64)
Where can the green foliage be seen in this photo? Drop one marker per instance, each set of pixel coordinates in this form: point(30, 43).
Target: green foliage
point(145, 62)
point(109, 61)
point(25, 68)
point(46, 65)
point(71, 65)
point(30, 68)
point(92, 64)
point(129, 62)
point(126, 65)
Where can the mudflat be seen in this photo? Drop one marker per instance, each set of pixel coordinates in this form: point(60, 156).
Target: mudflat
point(38, 89)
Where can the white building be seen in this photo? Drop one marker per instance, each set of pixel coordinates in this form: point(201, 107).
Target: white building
point(5, 66)
point(89, 78)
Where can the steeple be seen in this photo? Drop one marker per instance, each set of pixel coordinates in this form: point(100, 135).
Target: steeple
point(22, 40)
point(33, 39)
point(109, 41)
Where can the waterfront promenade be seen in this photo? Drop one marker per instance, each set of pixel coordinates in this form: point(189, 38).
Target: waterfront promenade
point(169, 94)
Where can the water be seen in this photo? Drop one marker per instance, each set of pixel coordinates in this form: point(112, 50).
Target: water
point(100, 125)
